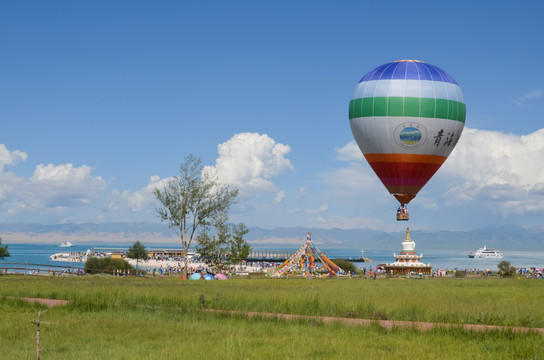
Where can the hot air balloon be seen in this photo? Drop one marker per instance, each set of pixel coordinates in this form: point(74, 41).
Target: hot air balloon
point(406, 117)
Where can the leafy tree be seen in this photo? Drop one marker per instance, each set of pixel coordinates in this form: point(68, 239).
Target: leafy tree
point(138, 252)
point(506, 269)
point(4, 253)
point(212, 249)
point(240, 249)
point(193, 199)
point(226, 247)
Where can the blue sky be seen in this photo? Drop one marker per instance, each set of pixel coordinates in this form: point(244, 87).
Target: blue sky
point(102, 100)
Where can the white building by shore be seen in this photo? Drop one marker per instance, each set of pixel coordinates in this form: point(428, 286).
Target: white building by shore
point(408, 261)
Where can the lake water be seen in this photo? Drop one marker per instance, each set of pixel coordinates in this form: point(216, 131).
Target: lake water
point(39, 254)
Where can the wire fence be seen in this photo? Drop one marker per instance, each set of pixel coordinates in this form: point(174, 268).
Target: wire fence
point(39, 269)
point(12, 268)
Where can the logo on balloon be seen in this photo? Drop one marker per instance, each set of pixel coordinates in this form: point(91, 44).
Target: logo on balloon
point(410, 135)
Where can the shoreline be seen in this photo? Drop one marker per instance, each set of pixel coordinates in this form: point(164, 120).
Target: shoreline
point(174, 266)
point(156, 264)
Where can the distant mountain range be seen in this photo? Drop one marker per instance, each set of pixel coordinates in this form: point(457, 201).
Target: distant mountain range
point(505, 237)
point(500, 237)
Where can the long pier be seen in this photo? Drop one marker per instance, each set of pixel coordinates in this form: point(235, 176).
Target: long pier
point(282, 255)
point(270, 255)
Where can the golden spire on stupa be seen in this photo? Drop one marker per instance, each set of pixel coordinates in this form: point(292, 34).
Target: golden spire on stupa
point(407, 238)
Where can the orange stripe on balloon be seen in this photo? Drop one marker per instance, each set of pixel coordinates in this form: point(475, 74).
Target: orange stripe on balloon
point(410, 158)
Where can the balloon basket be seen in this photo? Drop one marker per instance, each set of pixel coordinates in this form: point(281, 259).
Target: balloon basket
point(403, 217)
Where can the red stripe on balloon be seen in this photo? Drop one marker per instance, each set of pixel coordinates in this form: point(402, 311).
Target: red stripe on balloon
point(410, 176)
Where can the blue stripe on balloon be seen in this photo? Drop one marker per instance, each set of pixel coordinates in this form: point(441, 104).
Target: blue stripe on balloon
point(408, 70)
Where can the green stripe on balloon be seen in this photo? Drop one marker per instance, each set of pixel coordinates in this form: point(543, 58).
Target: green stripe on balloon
point(407, 106)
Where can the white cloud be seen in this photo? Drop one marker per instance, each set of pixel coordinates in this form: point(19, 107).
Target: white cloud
point(302, 192)
point(324, 207)
point(352, 188)
point(504, 169)
point(355, 178)
point(10, 158)
point(280, 196)
point(135, 201)
point(62, 186)
point(294, 211)
point(531, 95)
point(350, 152)
point(249, 160)
point(52, 192)
point(9, 182)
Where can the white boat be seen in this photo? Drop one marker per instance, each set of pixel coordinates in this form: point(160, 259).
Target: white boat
point(488, 253)
point(191, 254)
point(66, 244)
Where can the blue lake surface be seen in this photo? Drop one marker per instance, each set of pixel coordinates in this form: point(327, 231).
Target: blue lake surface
point(39, 254)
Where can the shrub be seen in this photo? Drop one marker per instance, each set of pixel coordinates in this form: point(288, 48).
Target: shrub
point(505, 269)
point(345, 265)
point(106, 265)
point(459, 274)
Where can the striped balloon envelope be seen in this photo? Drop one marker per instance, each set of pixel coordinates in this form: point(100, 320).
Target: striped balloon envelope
point(406, 117)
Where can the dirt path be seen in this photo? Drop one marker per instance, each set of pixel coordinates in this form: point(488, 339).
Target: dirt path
point(388, 324)
point(47, 302)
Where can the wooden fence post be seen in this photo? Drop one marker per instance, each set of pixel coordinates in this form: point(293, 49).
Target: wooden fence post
point(37, 323)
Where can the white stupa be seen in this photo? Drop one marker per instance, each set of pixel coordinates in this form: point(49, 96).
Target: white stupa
point(408, 261)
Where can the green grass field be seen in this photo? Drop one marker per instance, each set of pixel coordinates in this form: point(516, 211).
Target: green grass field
point(161, 318)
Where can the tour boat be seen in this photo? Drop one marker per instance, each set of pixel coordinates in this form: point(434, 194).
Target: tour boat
point(486, 252)
point(66, 244)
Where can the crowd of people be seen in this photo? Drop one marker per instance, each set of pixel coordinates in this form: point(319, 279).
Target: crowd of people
point(194, 265)
point(521, 272)
point(532, 272)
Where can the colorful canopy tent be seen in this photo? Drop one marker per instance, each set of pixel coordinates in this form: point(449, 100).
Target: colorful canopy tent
point(195, 276)
point(308, 261)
